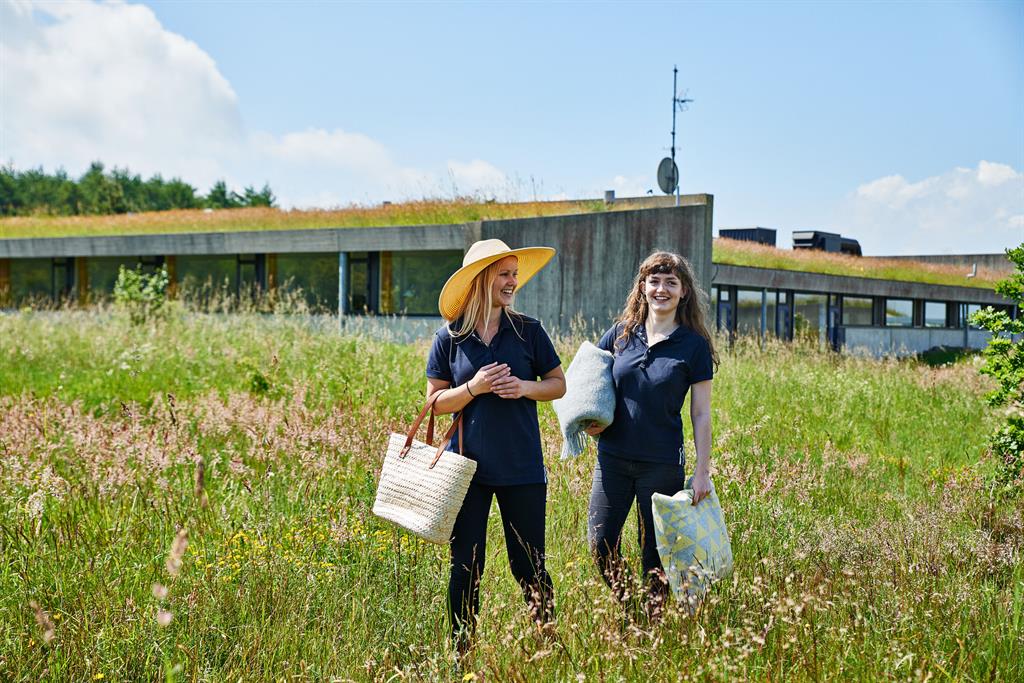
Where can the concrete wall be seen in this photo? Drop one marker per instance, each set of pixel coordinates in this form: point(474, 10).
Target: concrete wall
point(598, 255)
point(882, 341)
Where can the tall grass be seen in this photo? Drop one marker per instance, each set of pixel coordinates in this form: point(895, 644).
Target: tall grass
point(190, 500)
point(415, 212)
point(740, 253)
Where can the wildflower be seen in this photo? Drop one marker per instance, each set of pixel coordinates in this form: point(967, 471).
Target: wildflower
point(159, 591)
point(163, 617)
point(43, 619)
point(177, 551)
point(469, 677)
point(98, 677)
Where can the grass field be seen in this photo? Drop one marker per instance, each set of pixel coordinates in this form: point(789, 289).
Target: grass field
point(867, 546)
point(437, 212)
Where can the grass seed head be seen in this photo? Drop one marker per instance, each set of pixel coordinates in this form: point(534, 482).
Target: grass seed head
point(177, 552)
point(44, 622)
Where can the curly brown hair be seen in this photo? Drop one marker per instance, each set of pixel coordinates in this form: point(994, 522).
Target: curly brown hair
point(692, 309)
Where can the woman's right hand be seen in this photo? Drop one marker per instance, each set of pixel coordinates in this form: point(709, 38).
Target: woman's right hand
point(594, 429)
point(487, 375)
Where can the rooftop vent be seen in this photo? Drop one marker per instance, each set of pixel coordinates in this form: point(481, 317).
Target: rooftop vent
point(825, 241)
point(759, 235)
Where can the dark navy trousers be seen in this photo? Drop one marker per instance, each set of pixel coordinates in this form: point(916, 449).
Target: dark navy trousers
point(617, 483)
point(522, 515)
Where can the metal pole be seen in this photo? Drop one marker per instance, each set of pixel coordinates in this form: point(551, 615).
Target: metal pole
point(764, 315)
point(967, 327)
point(342, 288)
point(675, 71)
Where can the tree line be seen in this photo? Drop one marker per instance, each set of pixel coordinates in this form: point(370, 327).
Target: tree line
point(98, 191)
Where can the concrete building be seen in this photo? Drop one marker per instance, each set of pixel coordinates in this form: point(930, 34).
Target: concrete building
point(399, 270)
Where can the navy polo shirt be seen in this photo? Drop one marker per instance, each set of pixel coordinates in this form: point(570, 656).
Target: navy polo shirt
point(650, 386)
point(501, 434)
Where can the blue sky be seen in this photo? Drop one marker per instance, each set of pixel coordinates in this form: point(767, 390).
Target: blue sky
point(897, 124)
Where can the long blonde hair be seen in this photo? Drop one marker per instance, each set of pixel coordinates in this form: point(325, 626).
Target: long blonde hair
point(478, 304)
point(692, 309)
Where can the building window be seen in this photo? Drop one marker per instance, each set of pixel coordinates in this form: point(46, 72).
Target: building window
point(312, 278)
point(808, 315)
point(857, 311)
point(748, 311)
point(934, 313)
point(31, 281)
point(411, 281)
point(971, 310)
point(899, 313)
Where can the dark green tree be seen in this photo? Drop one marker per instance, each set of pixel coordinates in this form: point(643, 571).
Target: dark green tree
point(220, 197)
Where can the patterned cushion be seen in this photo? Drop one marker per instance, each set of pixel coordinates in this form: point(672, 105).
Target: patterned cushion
point(692, 541)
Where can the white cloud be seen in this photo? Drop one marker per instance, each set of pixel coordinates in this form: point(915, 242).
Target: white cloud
point(630, 186)
point(963, 210)
point(477, 176)
point(85, 81)
point(995, 174)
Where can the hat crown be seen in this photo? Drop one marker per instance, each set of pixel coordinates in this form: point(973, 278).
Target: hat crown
point(484, 249)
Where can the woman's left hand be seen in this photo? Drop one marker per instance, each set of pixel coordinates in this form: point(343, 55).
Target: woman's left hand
point(701, 484)
point(509, 386)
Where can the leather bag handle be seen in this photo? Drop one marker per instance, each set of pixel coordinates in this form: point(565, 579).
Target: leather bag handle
point(457, 422)
point(429, 407)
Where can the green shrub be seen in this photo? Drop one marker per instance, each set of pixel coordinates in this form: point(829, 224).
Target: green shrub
point(142, 295)
point(1004, 361)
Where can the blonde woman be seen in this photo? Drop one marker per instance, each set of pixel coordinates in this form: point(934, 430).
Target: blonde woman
point(493, 364)
point(662, 349)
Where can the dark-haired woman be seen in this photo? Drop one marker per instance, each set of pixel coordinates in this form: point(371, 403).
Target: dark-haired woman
point(492, 365)
point(662, 349)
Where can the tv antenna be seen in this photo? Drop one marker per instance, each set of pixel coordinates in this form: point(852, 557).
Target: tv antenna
point(668, 171)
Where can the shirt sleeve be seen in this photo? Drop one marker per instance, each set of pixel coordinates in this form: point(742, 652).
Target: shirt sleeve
point(701, 366)
point(439, 361)
point(545, 357)
point(608, 339)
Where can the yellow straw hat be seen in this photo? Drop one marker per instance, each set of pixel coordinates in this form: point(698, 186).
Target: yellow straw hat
point(480, 255)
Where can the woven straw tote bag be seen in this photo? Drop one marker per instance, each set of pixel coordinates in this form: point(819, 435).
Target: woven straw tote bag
point(422, 487)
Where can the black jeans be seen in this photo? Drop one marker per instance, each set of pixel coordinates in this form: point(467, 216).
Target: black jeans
point(522, 515)
point(617, 482)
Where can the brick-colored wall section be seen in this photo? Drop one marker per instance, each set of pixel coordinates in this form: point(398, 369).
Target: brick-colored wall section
point(385, 282)
point(5, 282)
point(82, 280)
point(171, 266)
point(271, 272)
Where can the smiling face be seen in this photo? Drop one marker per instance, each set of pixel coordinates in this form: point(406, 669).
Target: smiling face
point(506, 280)
point(663, 292)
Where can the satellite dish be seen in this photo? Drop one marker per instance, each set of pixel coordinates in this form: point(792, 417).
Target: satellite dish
point(668, 175)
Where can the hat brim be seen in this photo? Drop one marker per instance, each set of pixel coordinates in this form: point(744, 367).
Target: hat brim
point(456, 290)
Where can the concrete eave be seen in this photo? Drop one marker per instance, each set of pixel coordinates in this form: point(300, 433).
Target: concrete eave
point(802, 281)
point(392, 238)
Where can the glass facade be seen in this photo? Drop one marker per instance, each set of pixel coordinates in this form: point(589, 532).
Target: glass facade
point(314, 277)
point(32, 279)
point(934, 314)
point(411, 281)
point(808, 315)
point(748, 311)
point(857, 310)
point(899, 313)
point(360, 299)
point(207, 272)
